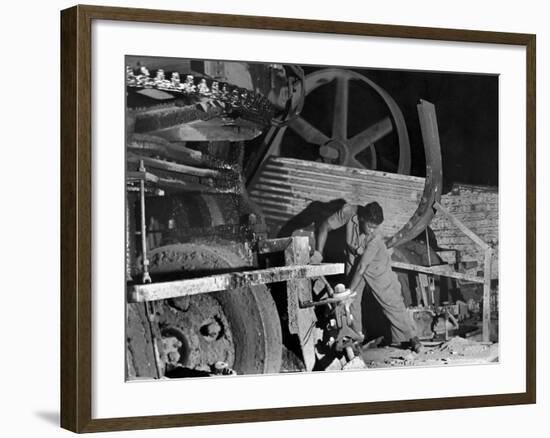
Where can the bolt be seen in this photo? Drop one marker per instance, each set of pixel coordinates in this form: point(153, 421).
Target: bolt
point(173, 356)
point(211, 330)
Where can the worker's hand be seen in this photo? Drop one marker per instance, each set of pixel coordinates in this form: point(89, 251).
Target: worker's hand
point(316, 258)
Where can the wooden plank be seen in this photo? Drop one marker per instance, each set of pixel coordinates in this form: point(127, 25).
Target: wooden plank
point(227, 282)
point(461, 226)
point(436, 270)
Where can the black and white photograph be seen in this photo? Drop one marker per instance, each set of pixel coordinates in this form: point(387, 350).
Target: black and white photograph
point(292, 218)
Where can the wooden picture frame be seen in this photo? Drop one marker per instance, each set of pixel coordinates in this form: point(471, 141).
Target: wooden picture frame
point(76, 218)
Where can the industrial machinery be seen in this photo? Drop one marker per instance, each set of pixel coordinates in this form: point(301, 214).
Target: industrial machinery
point(219, 221)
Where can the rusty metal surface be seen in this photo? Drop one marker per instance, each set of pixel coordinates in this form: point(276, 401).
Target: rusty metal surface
point(229, 281)
point(286, 187)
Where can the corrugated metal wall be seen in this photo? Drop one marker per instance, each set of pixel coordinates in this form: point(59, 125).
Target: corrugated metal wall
point(284, 187)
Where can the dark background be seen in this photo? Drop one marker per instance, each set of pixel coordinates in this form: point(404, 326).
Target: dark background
point(467, 114)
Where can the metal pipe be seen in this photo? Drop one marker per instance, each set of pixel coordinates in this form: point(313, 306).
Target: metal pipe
point(146, 278)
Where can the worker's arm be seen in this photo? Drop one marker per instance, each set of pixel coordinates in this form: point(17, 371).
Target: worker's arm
point(322, 235)
point(335, 221)
point(364, 262)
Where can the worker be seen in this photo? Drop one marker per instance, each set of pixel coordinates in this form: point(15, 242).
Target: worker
point(367, 259)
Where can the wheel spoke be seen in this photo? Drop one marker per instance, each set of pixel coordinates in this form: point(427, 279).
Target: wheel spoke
point(369, 161)
point(340, 118)
point(370, 135)
point(307, 131)
point(354, 162)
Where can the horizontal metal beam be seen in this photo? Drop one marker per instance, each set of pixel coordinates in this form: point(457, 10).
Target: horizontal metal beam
point(229, 281)
point(437, 270)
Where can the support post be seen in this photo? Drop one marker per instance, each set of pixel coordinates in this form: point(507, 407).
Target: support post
point(486, 327)
point(145, 274)
point(423, 285)
point(301, 321)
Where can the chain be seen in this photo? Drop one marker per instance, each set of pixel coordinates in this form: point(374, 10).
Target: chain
point(231, 99)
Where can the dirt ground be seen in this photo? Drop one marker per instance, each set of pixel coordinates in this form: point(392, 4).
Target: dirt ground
point(456, 351)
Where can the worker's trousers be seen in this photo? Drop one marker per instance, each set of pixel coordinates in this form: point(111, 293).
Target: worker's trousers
point(393, 306)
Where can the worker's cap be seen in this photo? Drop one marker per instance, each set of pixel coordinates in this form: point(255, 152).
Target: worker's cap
point(371, 212)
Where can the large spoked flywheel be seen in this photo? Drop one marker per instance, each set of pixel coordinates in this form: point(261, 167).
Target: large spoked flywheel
point(351, 102)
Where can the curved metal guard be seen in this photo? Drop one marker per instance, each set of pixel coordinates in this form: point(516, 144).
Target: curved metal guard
point(434, 178)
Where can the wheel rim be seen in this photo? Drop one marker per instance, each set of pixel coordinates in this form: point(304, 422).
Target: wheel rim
point(240, 327)
point(338, 148)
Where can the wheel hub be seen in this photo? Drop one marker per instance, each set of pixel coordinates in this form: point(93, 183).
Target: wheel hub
point(334, 151)
point(198, 337)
